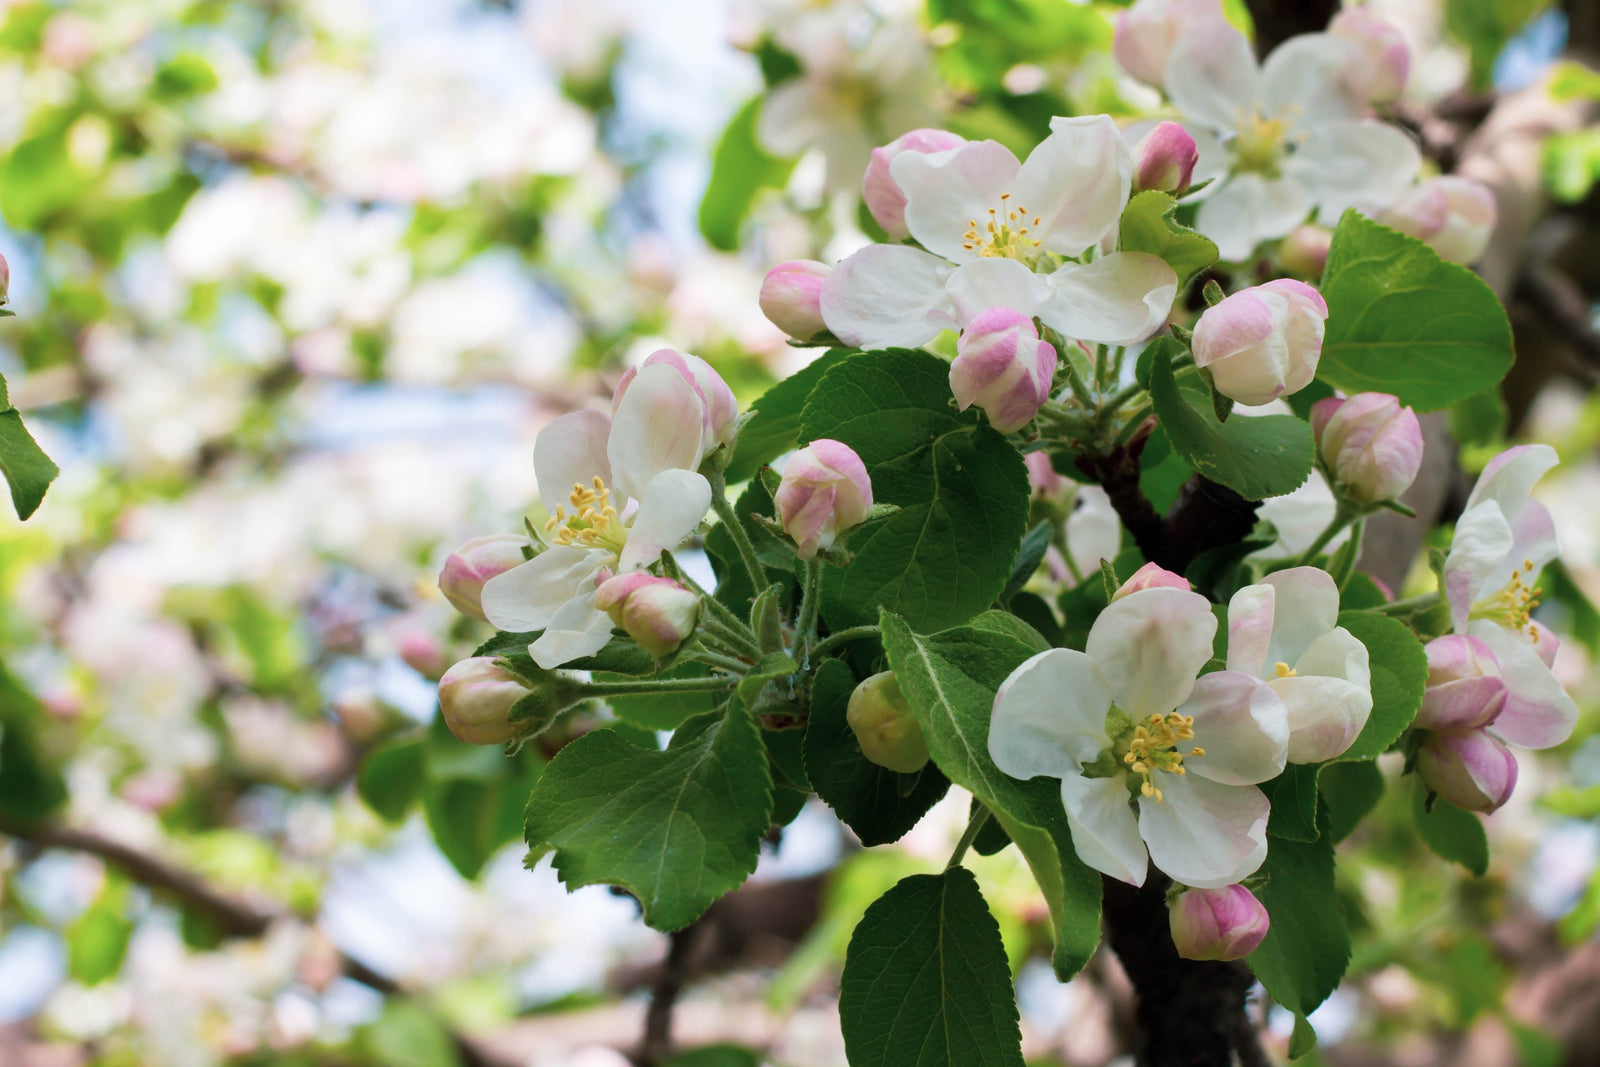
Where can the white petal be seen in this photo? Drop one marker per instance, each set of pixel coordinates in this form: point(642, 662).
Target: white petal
point(1211, 75)
point(528, 596)
point(1105, 832)
point(1482, 541)
point(1094, 532)
point(1250, 613)
point(658, 426)
point(1300, 79)
point(886, 296)
point(1149, 647)
point(1249, 209)
point(1205, 834)
point(1305, 606)
point(571, 451)
point(674, 503)
point(947, 192)
point(1365, 165)
point(578, 629)
point(1509, 477)
point(1076, 182)
point(1050, 716)
point(995, 283)
point(1241, 724)
point(1538, 711)
point(1329, 699)
point(1118, 299)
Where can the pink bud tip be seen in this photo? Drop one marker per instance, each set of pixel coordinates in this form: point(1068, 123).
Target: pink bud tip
point(1371, 444)
point(1456, 216)
point(475, 697)
point(1263, 342)
point(474, 563)
point(824, 490)
point(1218, 924)
point(1469, 768)
point(882, 194)
point(1164, 159)
point(791, 296)
point(1003, 368)
point(720, 408)
point(1464, 688)
point(1151, 576)
point(656, 612)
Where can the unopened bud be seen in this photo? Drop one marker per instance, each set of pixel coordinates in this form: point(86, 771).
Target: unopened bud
point(824, 490)
point(1469, 768)
point(1454, 215)
point(1464, 688)
point(717, 400)
point(1151, 576)
point(1147, 31)
point(1043, 478)
point(885, 726)
point(791, 296)
point(1217, 924)
point(476, 696)
point(1164, 159)
point(882, 194)
point(474, 563)
point(1371, 444)
point(1378, 70)
point(1263, 342)
point(1305, 250)
point(1003, 367)
point(658, 613)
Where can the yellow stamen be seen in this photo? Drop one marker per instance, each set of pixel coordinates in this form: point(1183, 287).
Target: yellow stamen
point(1512, 606)
point(594, 523)
point(1283, 670)
point(1154, 748)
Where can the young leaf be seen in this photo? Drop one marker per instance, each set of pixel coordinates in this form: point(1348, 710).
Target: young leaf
point(1294, 802)
point(1453, 833)
point(740, 168)
point(1029, 556)
point(1351, 790)
point(926, 980)
point(98, 939)
point(1399, 674)
point(1307, 948)
point(26, 467)
point(1148, 226)
point(1403, 321)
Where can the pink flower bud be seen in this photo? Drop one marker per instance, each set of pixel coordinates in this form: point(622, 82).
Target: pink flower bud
point(468, 567)
point(422, 652)
point(716, 399)
point(1305, 250)
point(1003, 367)
point(656, 612)
point(1151, 576)
point(5, 280)
point(475, 696)
point(1042, 476)
point(1164, 159)
point(825, 489)
point(1147, 31)
point(1372, 445)
point(1464, 685)
point(1263, 342)
point(791, 296)
point(1469, 768)
point(1217, 924)
point(1378, 70)
point(884, 725)
point(883, 196)
point(1454, 215)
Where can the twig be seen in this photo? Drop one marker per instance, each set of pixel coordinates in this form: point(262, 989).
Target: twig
point(656, 1044)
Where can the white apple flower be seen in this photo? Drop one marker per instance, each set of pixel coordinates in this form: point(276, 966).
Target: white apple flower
point(1286, 630)
point(998, 233)
point(619, 490)
point(1282, 138)
point(1503, 540)
point(1123, 724)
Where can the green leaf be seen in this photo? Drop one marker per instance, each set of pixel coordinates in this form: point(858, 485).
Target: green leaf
point(1148, 226)
point(961, 487)
point(28, 470)
point(1257, 457)
point(472, 797)
point(1303, 1039)
point(98, 940)
point(1351, 791)
point(1403, 321)
point(677, 828)
point(39, 179)
point(740, 168)
point(391, 776)
point(1453, 833)
point(774, 424)
point(716, 1056)
point(926, 979)
point(950, 680)
point(408, 1035)
point(1399, 674)
point(869, 798)
point(1307, 947)
point(1029, 555)
point(1294, 802)
point(662, 711)
point(31, 784)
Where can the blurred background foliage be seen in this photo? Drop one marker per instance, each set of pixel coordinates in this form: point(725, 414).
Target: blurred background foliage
point(296, 283)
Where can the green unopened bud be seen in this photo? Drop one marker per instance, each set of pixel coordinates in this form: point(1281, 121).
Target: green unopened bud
point(485, 704)
point(884, 725)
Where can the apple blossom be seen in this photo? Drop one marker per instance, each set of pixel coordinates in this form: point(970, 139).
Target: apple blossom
point(879, 191)
point(468, 567)
point(1123, 724)
point(791, 297)
point(1377, 73)
point(658, 613)
point(824, 490)
point(1262, 342)
point(1470, 768)
point(1291, 139)
point(475, 696)
point(884, 725)
point(1217, 924)
point(1164, 159)
point(633, 491)
point(1148, 29)
point(998, 233)
point(1285, 630)
point(1003, 368)
point(1454, 215)
point(1464, 688)
point(716, 399)
point(1305, 250)
point(1370, 444)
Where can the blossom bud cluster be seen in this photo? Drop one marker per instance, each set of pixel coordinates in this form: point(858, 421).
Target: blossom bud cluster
point(824, 491)
point(1370, 445)
point(1461, 758)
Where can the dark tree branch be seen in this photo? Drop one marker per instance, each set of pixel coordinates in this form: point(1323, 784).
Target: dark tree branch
point(1278, 20)
point(676, 972)
point(1118, 475)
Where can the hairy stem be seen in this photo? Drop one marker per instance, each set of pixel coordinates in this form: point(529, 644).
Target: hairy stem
point(736, 530)
point(842, 637)
point(975, 825)
point(810, 597)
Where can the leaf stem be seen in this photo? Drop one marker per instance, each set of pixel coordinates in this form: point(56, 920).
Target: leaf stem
point(716, 659)
point(980, 816)
point(736, 530)
point(810, 594)
point(842, 637)
point(654, 685)
point(729, 639)
point(1408, 605)
point(1342, 517)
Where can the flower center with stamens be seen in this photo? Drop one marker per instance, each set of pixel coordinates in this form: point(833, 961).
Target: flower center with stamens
point(1283, 670)
point(592, 523)
point(1154, 747)
point(1004, 236)
point(1259, 144)
point(1512, 605)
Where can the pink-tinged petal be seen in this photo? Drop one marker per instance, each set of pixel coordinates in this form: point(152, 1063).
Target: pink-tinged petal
point(1298, 79)
point(1306, 607)
point(1150, 576)
point(1076, 182)
point(949, 192)
point(1366, 165)
point(1242, 726)
point(1329, 699)
point(527, 597)
point(1050, 716)
point(1094, 531)
point(791, 297)
point(1468, 768)
point(1203, 833)
point(1372, 445)
point(1250, 614)
point(824, 490)
point(1263, 342)
point(1379, 74)
point(1164, 159)
point(465, 570)
point(883, 197)
point(1117, 299)
point(1150, 646)
point(1105, 833)
point(571, 451)
point(1147, 31)
point(1464, 688)
point(1509, 477)
point(1545, 642)
point(1247, 209)
point(577, 630)
point(671, 509)
point(475, 698)
point(659, 426)
point(888, 296)
point(1538, 712)
point(1211, 75)
point(985, 284)
point(1003, 368)
point(1480, 547)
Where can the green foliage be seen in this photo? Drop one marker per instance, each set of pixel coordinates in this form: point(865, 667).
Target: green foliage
point(996, 35)
point(1294, 802)
point(1572, 163)
point(391, 776)
point(1453, 833)
point(740, 168)
point(1307, 947)
point(1267, 455)
point(926, 980)
point(773, 427)
point(409, 1035)
point(1403, 321)
point(97, 940)
point(677, 829)
point(28, 470)
point(1350, 791)
point(1148, 226)
point(961, 488)
point(31, 785)
point(1399, 675)
point(472, 797)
